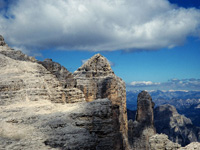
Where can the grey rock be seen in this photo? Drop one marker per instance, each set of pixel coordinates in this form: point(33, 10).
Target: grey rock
point(45, 125)
point(178, 127)
point(64, 76)
point(143, 127)
point(2, 42)
point(191, 146)
point(96, 80)
point(35, 113)
point(10, 52)
point(27, 81)
point(161, 142)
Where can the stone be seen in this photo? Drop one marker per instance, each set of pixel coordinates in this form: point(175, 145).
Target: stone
point(191, 146)
point(96, 80)
point(65, 77)
point(178, 127)
point(161, 142)
point(10, 52)
point(2, 42)
point(40, 109)
point(27, 81)
point(143, 127)
point(45, 125)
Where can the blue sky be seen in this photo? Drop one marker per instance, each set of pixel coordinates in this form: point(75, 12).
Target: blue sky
point(152, 44)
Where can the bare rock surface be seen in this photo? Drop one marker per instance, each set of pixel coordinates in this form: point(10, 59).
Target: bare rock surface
point(66, 79)
point(34, 113)
point(62, 74)
point(45, 125)
point(96, 79)
point(2, 42)
point(27, 81)
point(191, 146)
point(178, 127)
point(10, 52)
point(143, 127)
point(161, 142)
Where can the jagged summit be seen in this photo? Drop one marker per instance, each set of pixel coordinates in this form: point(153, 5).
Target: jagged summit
point(96, 66)
point(14, 54)
point(144, 95)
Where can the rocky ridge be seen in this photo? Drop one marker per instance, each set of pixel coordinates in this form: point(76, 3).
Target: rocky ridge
point(96, 79)
point(44, 106)
point(178, 127)
point(143, 127)
point(34, 97)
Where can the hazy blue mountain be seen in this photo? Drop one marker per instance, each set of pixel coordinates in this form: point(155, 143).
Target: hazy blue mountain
point(186, 102)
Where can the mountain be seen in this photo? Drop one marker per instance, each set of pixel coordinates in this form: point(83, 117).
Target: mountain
point(44, 106)
point(186, 102)
point(178, 127)
point(165, 119)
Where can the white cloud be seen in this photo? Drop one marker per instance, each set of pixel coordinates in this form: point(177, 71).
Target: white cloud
point(144, 83)
point(173, 84)
point(98, 25)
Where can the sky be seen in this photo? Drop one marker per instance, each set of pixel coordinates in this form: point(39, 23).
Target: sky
point(151, 44)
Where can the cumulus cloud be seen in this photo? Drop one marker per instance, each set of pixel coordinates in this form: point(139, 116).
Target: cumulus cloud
point(98, 25)
point(143, 83)
point(173, 84)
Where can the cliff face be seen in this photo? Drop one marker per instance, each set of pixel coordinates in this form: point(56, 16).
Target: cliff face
point(34, 108)
point(143, 127)
point(179, 128)
point(96, 80)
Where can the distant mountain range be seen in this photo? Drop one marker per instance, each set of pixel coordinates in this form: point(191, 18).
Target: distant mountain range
point(186, 102)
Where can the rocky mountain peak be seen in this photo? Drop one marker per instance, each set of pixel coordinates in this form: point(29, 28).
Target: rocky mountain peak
point(2, 42)
point(145, 107)
point(143, 127)
point(96, 66)
point(178, 127)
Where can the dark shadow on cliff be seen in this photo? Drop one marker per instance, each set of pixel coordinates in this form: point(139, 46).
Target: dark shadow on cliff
point(94, 125)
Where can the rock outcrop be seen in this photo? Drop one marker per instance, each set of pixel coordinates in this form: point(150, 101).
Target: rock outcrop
point(62, 74)
point(179, 128)
point(27, 81)
point(44, 125)
point(191, 146)
point(10, 52)
point(66, 79)
point(2, 42)
point(34, 111)
point(96, 80)
point(143, 127)
point(161, 142)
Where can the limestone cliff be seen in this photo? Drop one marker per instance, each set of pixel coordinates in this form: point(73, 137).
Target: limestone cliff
point(34, 111)
point(66, 79)
point(10, 52)
point(96, 79)
point(161, 142)
point(143, 127)
point(178, 127)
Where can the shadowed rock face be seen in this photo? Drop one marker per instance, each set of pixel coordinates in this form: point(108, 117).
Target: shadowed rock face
point(96, 80)
point(143, 127)
point(30, 93)
point(178, 127)
point(145, 107)
point(10, 52)
point(66, 80)
point(2, 42)
point(64, 76)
